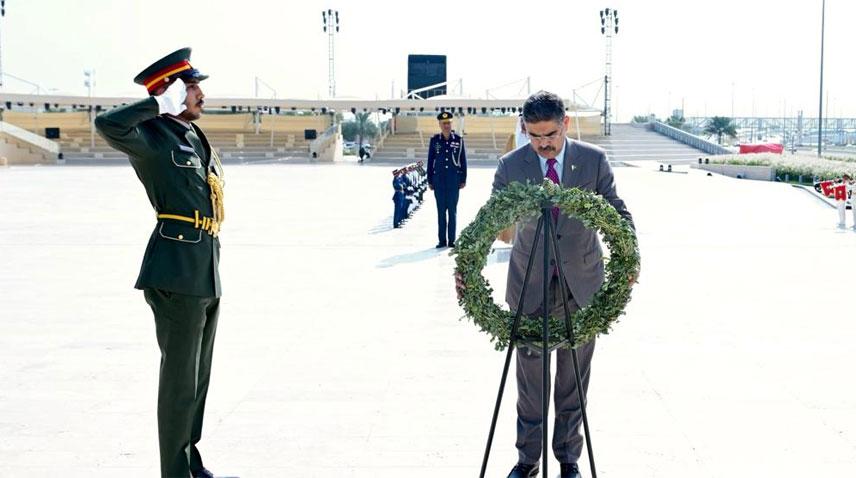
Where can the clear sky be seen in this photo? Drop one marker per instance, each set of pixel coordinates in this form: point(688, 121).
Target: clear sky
point(667, 51)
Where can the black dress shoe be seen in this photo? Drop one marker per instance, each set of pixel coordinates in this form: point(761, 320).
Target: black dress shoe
point(570, 470)
point(521, 470)
point(440, 245)
point(452, 244)
point(203, 473)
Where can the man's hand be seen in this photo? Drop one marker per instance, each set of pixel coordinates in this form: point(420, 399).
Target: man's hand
point(172, 100)
point(462, 186)
point(459, 285)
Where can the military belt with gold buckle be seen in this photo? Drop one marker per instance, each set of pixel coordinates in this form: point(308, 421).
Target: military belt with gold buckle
point(207, 224)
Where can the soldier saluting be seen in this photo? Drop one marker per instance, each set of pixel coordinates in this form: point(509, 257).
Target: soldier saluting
point(183, 178)
point(447, 174)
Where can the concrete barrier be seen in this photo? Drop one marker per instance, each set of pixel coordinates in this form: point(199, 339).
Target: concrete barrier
point(329, 146)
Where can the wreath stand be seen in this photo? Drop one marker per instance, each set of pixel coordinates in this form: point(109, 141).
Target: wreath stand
point(545, 223)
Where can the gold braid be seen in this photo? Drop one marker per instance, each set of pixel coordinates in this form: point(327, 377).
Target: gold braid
point(216, 184)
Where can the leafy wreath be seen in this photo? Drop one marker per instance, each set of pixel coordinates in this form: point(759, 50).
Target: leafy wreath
point(522, 201)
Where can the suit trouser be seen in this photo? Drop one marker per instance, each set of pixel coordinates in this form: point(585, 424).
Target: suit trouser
point(567, 440)
point(447, 203)
point(185, 326)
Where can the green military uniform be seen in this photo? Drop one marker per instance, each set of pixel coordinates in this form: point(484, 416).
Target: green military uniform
point(179, 275)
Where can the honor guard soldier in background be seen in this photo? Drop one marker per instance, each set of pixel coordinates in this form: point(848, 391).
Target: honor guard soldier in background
point(850, 186)
point(183, 178)
point(398, 199)
point(423, 181)
point(843, 193)
point(447, 174)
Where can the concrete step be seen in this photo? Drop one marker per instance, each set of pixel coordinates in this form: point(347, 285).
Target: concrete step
point(257, 149)
point(95, 156)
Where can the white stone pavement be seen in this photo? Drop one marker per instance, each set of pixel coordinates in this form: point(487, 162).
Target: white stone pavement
point(340, 353)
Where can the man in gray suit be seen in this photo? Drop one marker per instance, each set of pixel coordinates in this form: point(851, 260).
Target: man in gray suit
point(550, 154)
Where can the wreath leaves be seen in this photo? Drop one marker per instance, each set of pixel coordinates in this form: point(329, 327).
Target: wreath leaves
point(521, 201)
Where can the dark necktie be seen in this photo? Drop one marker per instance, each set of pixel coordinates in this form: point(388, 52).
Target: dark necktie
point(553, 175)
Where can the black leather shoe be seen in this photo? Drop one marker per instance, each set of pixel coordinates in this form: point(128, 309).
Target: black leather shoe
point(570, 470)
point(452, 244)
point(203, 473)
point(440, 245)
point(523, 471)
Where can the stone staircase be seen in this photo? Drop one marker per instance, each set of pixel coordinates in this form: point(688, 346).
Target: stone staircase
point(17, 152)
point(637, 143)
point(410, 147)
point(627, 143)
point(233, 146)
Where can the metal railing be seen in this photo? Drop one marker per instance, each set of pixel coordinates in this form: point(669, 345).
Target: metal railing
point(708, 147)
point(384, 132)
point(29, 138)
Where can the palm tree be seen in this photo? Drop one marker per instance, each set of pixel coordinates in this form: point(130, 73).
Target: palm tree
point(364, 127)
point(721, 125)
point(676, 121)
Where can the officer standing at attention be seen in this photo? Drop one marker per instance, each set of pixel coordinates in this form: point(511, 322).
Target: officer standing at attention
point(183, 179)
point(398, 199)
point(447, 175)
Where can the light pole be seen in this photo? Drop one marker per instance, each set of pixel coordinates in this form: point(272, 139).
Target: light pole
point(608, 26)
point(2, 14)
point(89, 83)
point(752, 129)
point(820, 102)
point(330, 21)
point(732, 100)
point(272, 108)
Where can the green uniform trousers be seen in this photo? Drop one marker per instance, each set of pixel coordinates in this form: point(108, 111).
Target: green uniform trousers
point(186, 326)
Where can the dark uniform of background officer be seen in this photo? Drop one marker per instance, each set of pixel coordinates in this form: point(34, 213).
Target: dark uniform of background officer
point(447, 174)
point(183, 178)
point(398, 199)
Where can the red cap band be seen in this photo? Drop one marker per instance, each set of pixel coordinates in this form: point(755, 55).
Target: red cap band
point(161, 77)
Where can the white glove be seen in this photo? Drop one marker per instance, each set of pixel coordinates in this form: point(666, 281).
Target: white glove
point(172, 100)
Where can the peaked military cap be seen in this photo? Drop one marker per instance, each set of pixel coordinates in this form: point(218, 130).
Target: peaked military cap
point(444, 116)
point(167, 69)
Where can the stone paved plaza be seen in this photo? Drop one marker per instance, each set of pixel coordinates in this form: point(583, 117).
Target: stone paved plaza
point(340, 352)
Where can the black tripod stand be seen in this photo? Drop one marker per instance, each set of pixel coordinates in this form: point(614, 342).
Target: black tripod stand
point(545, 224)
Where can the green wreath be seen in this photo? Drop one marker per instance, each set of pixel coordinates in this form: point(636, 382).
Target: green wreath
point(522, 201)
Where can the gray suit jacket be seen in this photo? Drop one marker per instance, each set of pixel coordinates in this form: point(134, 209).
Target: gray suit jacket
point(585, 167)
